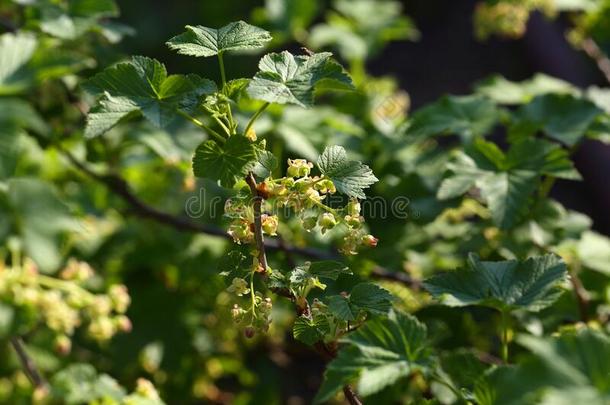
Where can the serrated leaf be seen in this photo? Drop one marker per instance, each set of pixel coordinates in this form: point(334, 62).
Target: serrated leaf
point(466, 116)
point(530, 285)
point(506, 181)
point(265, 165)
point(142, 86)
point(564, 118)
point(203, 41)
point(284, 78)
point(366, 297)
point(504, 91)
point(310, 331)
point(377, 355)
point(224, 162)
point(349, 176)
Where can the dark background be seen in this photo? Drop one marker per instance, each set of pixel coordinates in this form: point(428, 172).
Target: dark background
point(446, 59)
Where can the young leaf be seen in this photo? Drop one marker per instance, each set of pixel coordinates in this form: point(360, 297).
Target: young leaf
point(506, 181)
point(349, 176)
point(224, 162)
point(377, 355)
point(284, 78)
point(564, 118)
point(530, 285)
point(310, 331)
point(203, 41)
point(366, 297)
point(142, 85)
point(466, 116)
point(329, 269)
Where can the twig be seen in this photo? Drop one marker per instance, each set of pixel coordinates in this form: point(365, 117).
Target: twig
point(27, 363)
point(595, 52)
point(581, 294)
point(257, 202)
point(350, 395)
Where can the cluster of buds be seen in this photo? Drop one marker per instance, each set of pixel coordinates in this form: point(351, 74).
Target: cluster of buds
point(507, 18)
point(357, 236)
point(256, 317)
point(64, 304)
point(241, 227)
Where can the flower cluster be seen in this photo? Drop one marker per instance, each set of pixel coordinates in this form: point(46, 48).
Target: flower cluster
point(63, 303)
point(257, 316)
point(305, 195)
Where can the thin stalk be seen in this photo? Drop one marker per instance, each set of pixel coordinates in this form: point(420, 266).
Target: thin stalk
point(29, 367)
point(255, 116)
point(252, 296)
point(223, 75)
point(222, 125)
point(258, 226)
point(504, 336)
point(200, 124)
point(547, 185)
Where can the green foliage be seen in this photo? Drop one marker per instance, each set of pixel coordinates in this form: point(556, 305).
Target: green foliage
point(142, 86)
point(508, 285)
point(225, 163)
point(203, 41)
point(284, 78)
point(377, 355)
point(364, 297)
point(349, 176)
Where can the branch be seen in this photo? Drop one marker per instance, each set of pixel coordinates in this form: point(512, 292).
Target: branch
point(257, 202)
point(27, 363)
point(597, 54)
point(351, 396)
point(120, 187)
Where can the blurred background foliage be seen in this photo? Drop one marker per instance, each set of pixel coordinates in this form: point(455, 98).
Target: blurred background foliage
point(402, 56)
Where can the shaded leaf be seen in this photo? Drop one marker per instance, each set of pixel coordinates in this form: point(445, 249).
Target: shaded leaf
point(224, 162)
point(505, 285)
point(310, 331)
point(377, 355)
point(142, 85)
point(366, 297)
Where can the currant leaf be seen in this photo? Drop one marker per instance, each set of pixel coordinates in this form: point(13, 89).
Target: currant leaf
point(225, 162)
point(350, 177)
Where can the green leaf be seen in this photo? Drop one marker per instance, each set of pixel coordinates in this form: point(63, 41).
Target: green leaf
point(530, 285)
point(80, 383)
point(366, 297)
point(40, 218)
point(594, 251)
point(466, 116)
point(142, 85)
point(224, 162)
point(568, 369)
point(506, 181)
point(564, 118)
point(76, 18)
point(310, 331)
point(24, 62)
point(266, 164)
point(349, 176)
point(203, 41)
point(329, 269)
point(504, 91)
point(284, 78)
point(234, 262)
point(377, 355)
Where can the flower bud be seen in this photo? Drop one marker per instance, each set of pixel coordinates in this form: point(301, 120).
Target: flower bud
point(119, 297)
point(327, 221)
point(249, 332)
point(239, 286)
point(123, 323)
point(369, 240)
point(298, 168)
point(146, 389)
point(353, 208)
point(269, 224)
point(62, 344)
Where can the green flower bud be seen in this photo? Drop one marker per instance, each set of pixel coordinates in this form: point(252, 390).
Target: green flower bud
point(327, 221)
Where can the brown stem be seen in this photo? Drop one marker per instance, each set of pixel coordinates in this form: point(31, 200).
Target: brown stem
point(27, 363)
point(351, 396)
point(595, 52)
point(257, 202)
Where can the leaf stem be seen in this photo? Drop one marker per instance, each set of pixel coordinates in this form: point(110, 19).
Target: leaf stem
point(221, 63)
point(252, 296)
point(255, 116)
point(504, 336)
point(545, 188)
point(200, 124)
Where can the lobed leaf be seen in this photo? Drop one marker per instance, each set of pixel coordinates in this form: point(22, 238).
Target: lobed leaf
point(225, 162)
point(350, 177)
